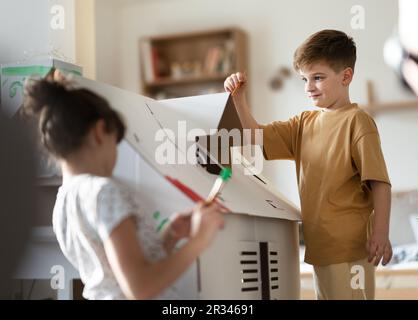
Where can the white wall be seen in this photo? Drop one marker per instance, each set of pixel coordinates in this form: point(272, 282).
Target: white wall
point(107, 35)
point(85, 36)
point(62, 41)
point(24, 28)
point(275, 29)
point(26, 32)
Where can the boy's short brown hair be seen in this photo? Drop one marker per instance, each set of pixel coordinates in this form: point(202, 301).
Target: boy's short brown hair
point(332, 46)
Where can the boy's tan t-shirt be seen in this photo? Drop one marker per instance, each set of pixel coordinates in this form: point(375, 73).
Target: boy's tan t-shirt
point(336, 152)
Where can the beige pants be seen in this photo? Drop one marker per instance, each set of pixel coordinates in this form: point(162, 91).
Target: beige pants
point(345, 281)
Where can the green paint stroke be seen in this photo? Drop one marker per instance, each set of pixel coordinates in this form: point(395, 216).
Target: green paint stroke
point(156, 215)
point(14, 87)
point(161, 225)
point(32, 70)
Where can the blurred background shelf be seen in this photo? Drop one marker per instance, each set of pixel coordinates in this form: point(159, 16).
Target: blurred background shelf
point(190, 64)
point(375, 107)
point(168, 81)
point(378, 108)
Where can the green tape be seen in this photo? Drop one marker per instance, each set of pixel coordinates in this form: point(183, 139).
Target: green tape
point(31, 70)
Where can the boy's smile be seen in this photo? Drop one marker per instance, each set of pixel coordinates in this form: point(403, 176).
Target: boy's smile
point(325, 87)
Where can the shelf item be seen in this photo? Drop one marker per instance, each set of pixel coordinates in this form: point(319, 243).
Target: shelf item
point(191, 63)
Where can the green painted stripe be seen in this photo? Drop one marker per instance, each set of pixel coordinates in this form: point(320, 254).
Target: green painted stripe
point(161, 225)
point(30, 70)
point(24, 71)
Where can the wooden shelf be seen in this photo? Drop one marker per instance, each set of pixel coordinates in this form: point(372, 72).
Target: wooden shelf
point(375, 108)
point(191, 63)
point(186, 80)
point(197, 34)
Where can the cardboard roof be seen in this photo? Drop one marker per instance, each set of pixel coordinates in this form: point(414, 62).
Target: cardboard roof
point(243, 194)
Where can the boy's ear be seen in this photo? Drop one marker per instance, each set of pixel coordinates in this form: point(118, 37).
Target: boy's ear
point(347, 76)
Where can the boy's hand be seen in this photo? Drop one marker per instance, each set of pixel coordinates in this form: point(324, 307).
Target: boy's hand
point(379, 248)
point(236, 83)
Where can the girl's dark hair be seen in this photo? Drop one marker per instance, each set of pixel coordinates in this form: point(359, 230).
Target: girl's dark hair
point(67, 114)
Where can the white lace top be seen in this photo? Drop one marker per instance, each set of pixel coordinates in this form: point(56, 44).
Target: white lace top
point(86, 211)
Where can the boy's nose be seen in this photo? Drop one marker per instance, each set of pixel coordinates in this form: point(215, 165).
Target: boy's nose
point(309, 87)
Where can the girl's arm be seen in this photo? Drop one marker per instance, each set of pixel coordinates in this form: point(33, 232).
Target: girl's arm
point(141, 279)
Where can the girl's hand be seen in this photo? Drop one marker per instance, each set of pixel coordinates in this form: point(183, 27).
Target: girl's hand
point(206, 222)
point(180, 224)
point(177, 228)
point(201, 223)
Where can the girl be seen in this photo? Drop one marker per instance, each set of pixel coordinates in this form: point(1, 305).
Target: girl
point(96, 218)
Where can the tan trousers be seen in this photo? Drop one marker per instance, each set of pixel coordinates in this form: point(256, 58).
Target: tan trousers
point(345, 281)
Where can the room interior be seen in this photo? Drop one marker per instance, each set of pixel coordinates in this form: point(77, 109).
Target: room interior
point(167, 49)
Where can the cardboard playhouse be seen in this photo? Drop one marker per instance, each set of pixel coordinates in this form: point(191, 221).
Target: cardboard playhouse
point(256, 255)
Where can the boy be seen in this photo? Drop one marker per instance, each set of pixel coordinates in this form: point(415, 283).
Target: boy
point(340, 168)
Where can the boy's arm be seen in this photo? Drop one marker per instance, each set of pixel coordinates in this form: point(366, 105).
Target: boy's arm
point(279, 139)
point(237, 85)
point(378, 245)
